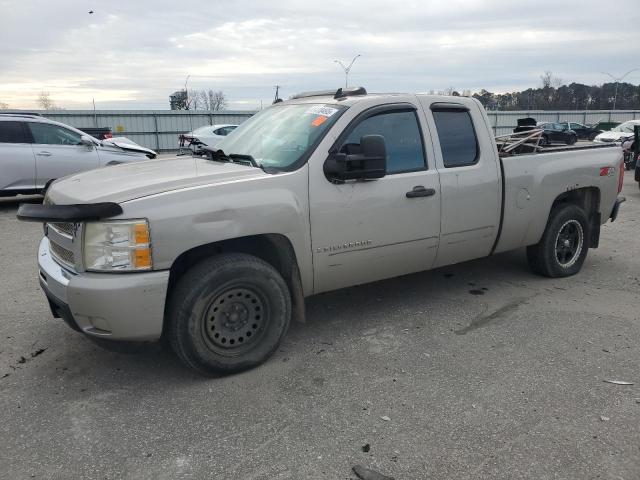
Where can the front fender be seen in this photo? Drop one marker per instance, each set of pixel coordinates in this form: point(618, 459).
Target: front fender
point(190, 217)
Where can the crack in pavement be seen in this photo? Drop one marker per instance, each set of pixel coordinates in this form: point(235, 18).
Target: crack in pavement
point(483, 320)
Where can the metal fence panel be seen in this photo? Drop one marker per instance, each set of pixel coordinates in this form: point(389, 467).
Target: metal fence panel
point(159, 129)
point(504, 122)
point(156, 129)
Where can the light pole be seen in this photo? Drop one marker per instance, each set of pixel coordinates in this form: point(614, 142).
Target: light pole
point(347, 69)
point(618, 80)
point(186, 93)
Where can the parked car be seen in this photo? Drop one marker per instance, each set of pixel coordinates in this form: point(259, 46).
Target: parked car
point(320, 192)
point(208, 135)
point(618, 134)
point(584, 132)
point(557, 133)
point(34, 151)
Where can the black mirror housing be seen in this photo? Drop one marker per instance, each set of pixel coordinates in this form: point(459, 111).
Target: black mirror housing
point(371, 163)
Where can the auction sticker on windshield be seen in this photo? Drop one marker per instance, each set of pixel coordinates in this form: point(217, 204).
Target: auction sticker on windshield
point(324, 110)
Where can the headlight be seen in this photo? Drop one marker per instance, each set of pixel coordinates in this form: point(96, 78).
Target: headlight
point(117, 246)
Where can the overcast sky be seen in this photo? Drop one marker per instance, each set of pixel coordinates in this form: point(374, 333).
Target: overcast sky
point(133, 54)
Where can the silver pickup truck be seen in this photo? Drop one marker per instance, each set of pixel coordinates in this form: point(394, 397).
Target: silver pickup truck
point(320, 192)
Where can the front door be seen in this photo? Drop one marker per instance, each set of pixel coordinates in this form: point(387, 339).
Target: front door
point(369, 230)
point(59, 152)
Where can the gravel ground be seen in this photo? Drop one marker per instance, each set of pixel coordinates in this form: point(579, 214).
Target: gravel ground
point(505, 382)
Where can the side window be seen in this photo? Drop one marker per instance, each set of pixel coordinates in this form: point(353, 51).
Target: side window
point(458, 140)
point(574, 126)
point(44, 133)
point(12, 132)
point(401, 133)
point(224, 131)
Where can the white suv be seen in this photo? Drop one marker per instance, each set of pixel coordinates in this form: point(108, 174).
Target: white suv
point(34, 151)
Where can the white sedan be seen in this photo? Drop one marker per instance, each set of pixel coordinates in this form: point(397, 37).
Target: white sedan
point(35, 151)
point(208, 135)
point(618, 134)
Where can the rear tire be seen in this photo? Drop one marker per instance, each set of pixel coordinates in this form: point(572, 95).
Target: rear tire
point(228, 314)
point(572, 140)
point(564, 244)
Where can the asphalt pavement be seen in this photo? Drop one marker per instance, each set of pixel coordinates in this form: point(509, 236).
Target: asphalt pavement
point(477, 371)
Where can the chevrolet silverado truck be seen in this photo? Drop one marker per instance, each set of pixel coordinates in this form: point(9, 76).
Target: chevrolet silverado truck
point(326, 190)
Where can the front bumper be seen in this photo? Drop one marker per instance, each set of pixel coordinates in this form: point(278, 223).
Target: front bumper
point(116, 306)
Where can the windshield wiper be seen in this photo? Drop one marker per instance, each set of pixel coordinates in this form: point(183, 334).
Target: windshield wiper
point(220, 156)
point(252, 161)
point(217, 154)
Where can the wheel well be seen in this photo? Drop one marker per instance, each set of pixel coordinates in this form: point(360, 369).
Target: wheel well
point(274, 249)
point(587, 198)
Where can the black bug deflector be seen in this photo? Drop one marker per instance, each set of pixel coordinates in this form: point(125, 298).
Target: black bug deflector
point(68, 213)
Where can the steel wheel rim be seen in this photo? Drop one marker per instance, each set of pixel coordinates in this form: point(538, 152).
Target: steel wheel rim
point(569, 243)
point(234, 321)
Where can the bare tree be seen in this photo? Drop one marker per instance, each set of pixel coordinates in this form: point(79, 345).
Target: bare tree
point(217, 101)
point(46, 102)
point(207, 100)
point(549, 80)
point(4, 106)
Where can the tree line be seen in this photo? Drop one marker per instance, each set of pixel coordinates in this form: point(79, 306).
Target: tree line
point(553, 94)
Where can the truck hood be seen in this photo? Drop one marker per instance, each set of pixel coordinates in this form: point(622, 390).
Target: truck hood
point(120, 183)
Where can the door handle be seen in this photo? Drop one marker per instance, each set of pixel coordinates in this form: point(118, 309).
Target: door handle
point(44, 154)
point(420, 191)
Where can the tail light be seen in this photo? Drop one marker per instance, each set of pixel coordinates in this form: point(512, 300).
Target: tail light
point(108, 135)
point(620, 176)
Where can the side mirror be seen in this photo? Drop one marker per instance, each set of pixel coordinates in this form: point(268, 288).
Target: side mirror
point(370, 163)
point(87, 141)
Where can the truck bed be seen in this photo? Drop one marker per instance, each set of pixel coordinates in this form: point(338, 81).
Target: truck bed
point(530, 187)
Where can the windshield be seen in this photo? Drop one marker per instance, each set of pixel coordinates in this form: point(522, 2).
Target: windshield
point(626, 127)
point(281, 135)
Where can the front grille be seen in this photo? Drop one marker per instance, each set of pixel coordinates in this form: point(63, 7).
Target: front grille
point(62, 255)
point(67, 229)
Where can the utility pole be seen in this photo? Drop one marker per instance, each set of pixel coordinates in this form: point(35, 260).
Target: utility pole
point(347, 69)
point(277, 99)
point(618, 80)
point(186, 94)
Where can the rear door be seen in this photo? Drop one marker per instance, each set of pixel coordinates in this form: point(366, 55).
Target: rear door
point(59, 153)
point(17, 162)
point(364, 231)
point(470, 180)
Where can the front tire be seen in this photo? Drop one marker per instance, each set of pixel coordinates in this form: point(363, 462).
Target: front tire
point(564, 244)
point(228, 314)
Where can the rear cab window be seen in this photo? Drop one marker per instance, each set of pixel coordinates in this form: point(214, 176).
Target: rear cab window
point(458, 140)
point(12, 132)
